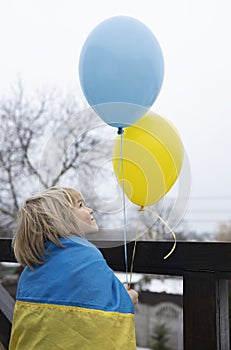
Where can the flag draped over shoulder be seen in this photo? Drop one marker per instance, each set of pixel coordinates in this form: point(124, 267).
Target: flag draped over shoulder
point(73, 301)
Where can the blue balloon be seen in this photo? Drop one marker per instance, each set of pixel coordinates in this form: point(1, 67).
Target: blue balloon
point(121, 70)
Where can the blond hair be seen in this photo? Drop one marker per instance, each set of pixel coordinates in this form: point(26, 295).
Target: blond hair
point(46, 216)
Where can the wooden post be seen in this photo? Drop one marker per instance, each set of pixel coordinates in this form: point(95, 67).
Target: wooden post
point(6, 303)
point(6, 315)
point(222, 297)
point(205, 312)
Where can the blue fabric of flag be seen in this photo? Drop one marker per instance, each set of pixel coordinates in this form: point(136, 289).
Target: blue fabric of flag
point(74, 291)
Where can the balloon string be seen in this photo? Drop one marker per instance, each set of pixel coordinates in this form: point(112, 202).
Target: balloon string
point(121, 163)
point(119, 132)
point(134, 248)
point(171, 230)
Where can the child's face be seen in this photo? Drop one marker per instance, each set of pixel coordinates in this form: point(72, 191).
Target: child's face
point(86, 221)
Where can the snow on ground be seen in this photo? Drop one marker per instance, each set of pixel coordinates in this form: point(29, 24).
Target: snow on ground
point(10, 264)
point(170, 285)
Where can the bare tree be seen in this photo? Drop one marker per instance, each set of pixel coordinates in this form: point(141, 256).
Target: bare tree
point(46, 140)
point(43, 140)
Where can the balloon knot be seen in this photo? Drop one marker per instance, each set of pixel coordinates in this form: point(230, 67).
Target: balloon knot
point(141, 208)
point(120, 131)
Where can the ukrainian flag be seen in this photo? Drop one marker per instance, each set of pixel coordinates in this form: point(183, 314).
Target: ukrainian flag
point(72, 302)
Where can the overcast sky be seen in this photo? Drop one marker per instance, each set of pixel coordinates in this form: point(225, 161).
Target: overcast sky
point(41, 42)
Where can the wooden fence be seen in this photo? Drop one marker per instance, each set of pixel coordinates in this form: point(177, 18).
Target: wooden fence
point(205, 268)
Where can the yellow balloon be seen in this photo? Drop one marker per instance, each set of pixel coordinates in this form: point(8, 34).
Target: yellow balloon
point(152, 154)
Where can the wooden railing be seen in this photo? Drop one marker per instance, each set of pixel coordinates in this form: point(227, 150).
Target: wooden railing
point(205, 268)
